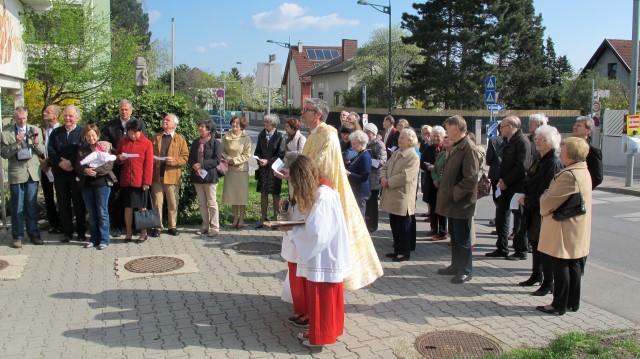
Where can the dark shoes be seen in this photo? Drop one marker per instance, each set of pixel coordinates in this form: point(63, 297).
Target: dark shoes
point(461, 278)
point(447, 271)
point(549, 310)
point(82, 238)
point(390, 255)
point(54, 230)
point(517, 257)
point(116, 233)
point(530, 282)
point(66, 239)
point(497, 253)
point(155, 233)
point(173, 231)
point(37, 241)
point(401, 258)
point(302, 321)
point(432, 233)
point(541, 292)
point(439, 237)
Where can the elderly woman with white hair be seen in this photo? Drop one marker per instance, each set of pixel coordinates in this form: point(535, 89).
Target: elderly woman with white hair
point(359, 169)
point(539, 176)
point(535, 121)
point(270, 147)
point(399, 180)
point(427, 163)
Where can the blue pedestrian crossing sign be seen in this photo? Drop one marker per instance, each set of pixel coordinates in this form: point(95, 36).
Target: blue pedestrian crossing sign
point(490, 83)
point(489, 97)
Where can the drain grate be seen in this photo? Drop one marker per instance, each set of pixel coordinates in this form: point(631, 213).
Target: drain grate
point(459, 344)
point(257, 248)
point(3, 264)
point(156, 264)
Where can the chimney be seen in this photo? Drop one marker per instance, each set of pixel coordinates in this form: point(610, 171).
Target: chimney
point(299, 46)
point(349, 48)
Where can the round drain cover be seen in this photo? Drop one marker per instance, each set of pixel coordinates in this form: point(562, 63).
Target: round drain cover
point(257, 248)
point(3, 264)
point(455, 343)
point(157, 264)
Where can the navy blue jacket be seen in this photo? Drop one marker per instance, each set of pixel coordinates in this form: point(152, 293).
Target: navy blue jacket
point(60, 146)
point(360, 168)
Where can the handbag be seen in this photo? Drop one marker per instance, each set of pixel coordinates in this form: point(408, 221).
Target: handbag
point(222, 167)
point(484, 186)
point(149, 218)
point(574, 205)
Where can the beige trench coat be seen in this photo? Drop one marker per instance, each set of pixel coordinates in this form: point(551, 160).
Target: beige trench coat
point(402, 173)
point(570, 238)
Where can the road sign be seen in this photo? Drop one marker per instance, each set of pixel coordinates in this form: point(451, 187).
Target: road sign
point(492, 129)
point(633, 125)
point(241, 104)
point(490, 83)
point(490, 97)
point(220, 93)
point(495, 107)
point(596, 106)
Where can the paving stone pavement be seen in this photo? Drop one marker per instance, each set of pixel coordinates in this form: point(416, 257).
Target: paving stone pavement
point(69, 303)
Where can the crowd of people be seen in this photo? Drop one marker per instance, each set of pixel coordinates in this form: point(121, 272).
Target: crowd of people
point(339, 176)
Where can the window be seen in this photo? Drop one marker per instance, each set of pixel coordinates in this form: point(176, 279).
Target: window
point(612, 71)
point(336, 98)
point(321, 95)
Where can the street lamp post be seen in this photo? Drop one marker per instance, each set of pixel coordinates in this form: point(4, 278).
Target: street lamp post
point(241, 89)
point(272, 58)
point(286, 45)
point(386, 10)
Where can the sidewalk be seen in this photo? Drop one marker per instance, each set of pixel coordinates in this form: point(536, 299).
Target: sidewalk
point(614, 181)
point(71, 303)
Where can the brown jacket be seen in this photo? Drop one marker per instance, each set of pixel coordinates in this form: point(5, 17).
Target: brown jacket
point(570, 238)
point(401, 171)
point(179, 150)
point(457, 192)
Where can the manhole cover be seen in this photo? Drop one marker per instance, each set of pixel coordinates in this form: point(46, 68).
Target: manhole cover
point(3, 264)
point(257, 248)
point(158, 264)
point(448, 343)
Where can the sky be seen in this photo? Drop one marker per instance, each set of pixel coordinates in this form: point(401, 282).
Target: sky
point(214, 35)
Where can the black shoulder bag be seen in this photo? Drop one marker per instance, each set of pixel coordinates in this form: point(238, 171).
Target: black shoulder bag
point(574, 205)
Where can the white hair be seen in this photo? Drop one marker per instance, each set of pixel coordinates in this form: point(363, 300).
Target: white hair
point(550, 134)
point(439, 130)
point(273, 119)
point(540, 118)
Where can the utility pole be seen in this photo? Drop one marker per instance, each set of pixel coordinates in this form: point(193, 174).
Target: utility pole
point(633, 85)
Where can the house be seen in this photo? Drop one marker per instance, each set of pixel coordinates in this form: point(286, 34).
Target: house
point(612, 60)
point(306, 65)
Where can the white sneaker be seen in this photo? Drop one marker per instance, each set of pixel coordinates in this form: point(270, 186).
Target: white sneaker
point(102, 246)
point(88, 245)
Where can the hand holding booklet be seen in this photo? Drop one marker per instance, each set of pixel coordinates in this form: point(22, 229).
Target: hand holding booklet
point(277, 166)
point(276, 224)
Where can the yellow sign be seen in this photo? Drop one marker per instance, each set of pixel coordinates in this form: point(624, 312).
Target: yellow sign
point(633, 125)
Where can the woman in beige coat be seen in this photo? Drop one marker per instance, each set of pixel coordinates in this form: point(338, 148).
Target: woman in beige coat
point(566, 241)
point(399, 180)
point(236, 148)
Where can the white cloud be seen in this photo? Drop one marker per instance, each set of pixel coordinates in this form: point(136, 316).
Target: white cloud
point(291, 16)
point(201, 49)
point(154, 15)
point(218, 44)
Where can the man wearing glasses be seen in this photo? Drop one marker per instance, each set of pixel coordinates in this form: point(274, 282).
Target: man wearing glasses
point(516, 160)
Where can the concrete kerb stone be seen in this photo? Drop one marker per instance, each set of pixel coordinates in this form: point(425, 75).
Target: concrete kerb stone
point(17, 264)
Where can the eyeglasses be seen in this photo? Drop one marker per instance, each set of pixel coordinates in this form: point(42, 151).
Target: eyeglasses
point(306, 109)
point(505, 125)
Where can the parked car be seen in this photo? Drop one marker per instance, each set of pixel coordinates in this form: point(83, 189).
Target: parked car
point(222, 125)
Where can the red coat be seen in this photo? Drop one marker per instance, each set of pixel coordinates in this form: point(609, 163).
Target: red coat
point(136, 171)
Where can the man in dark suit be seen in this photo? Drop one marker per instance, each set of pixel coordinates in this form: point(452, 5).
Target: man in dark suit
point(50, 116)
point(390, 135)
point(516, 160)
point(113, 132)
point(583, 128)
point(62, 148)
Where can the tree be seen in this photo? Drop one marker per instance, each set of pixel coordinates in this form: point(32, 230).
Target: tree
point(66, 49)
point(371, 66)
point(452, 37)
point(128, 16)
point(576, 92)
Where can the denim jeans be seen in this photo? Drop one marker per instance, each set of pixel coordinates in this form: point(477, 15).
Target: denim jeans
point(23, 204)
point(96, 199)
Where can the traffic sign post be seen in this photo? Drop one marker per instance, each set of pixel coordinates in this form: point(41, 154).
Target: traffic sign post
point(220, 93)
point(491, 96)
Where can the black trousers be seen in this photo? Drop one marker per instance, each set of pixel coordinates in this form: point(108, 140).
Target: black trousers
point(529, 230)
point(49, 202)
point(403, 230)
point(371, 211)
point(461, 258)
point(566, 289)
point(67, 191)
point(502, 221)
point(116, 207)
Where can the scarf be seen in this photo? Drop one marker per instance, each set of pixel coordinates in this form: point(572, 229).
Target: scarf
point(201, 143)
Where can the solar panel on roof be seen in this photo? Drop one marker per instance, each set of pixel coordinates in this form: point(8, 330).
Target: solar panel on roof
point(311, 54)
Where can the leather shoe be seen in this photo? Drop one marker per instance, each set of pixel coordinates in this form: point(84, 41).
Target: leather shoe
point(461, 278)
point(390, 255)
point(401, 258)
point(530, 282)
point(573, 309)
point(516, 257)
point(65, 239)
point(173, 231)
point(54, 230)
point(37, 241)
point(497, 253)
point(154, 233)
point(447, 271)
point(541, 292)
point(549, 310)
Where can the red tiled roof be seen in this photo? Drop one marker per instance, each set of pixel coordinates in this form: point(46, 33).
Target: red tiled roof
point(621, 48)
point(303, 64)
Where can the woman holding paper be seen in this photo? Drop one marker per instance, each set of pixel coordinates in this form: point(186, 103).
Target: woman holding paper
point(321, 250)
point(236, 148)
point(539, 176)
point(204, 156)
point(270, 147)
point(135, 153)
